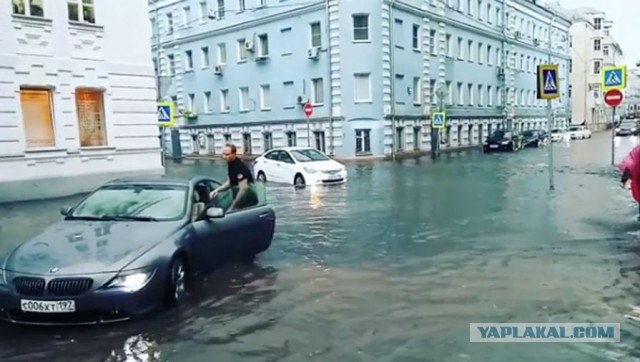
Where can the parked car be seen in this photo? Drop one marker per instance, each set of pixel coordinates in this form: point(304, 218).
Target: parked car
point(534, 137)
point(560, 135)
point(298, 166)
point(128, 248)
point(503, 140)
point(627, 128)
point(579, 132)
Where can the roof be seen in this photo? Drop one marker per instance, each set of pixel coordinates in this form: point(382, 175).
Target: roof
point(292, 148)
point(153, 180)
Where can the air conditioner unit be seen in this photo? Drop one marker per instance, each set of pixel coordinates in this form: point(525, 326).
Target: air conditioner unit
point(313, 53)
point(217, 70)
point(248, 45)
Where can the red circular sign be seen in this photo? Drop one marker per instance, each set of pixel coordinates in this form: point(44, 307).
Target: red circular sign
point(613, 98)
point(308, 109)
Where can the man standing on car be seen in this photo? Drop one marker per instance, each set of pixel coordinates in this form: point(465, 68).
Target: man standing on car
point(240, 181)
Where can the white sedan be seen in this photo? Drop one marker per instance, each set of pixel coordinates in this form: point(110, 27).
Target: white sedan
point(298, 166)
point(560, 135)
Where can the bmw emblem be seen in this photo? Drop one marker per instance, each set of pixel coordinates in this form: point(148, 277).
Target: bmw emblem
point(54, 270)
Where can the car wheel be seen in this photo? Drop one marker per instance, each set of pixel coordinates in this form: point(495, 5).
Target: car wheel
point(299, 180)
point(177, 282)
point(512, 147)
point(262, 177)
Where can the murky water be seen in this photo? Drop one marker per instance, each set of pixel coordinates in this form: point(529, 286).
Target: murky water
point(394, 266)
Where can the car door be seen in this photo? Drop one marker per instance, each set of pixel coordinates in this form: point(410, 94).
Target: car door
point(268, 164)
point(289, 168)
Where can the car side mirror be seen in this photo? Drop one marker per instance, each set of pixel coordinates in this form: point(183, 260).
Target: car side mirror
point(215, 213)
point(65, 211)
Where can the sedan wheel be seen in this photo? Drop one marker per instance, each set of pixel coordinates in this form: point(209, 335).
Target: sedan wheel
point(262, 177)
point(177, 287)
point(299, 180)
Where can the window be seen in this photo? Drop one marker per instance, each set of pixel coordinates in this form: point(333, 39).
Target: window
point(489, 14)
point(361, 27)
point(400, 138)
point(224, 100)
point(415, 37)
point(206, 102)
point(286, 42)
point(37, 115)
point(320, 140)
point(203, 11)
point(91, 118)
point(222, 54)
point(292, 139)
point(221, 11)
point(246, 143)
point(191, 102)
point(597, 44)
point(417, 90)
point(489, 54)
point(449, 46)
point(480, 48)
point(433, 97)
point(315, 35)
point(317, 91)
point(227, 138)
point(169, 23)
point(289, 95)
point(362, 85)
point(172, 64)
point(28, 7)
point(596, 67)
point(460, 49)
point(241, 6)
point(597, 23)
point(416, 138)
point(363, 141)
point(460, 90)
point(205, 57)
point(432, 42)
point(82, 11)
point(605, 50)
point(242, 52)
point(263, 42)
point(244, 98)
point(480, 95)
point(470, 92)
point(470, 50)
point(265, 97)
point(188, 60)
point(186, 16)
point(489, 96)
point(267, 141)
point(399, 29)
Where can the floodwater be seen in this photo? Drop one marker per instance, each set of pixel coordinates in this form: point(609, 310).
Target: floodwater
point(393, 266)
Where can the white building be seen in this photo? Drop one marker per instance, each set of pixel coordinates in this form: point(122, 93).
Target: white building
point(592, 48)
point(77, 96)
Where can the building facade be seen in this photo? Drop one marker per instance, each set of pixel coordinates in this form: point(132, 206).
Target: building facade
point(77, 96)
point(374, 71)
point(592, 48)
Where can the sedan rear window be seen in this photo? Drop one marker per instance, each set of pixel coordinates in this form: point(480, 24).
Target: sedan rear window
point(308, 155)
point(151, 202)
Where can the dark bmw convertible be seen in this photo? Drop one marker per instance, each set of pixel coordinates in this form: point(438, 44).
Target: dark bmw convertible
point(128, 248)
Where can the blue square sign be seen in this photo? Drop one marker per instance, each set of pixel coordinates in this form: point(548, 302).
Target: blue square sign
point(547, 85)
point(438, 120)
point(165, 114)
point(614, 78)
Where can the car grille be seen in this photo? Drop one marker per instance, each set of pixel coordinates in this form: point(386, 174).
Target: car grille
point(331, 172)
point(62, 287)
point(69, 286)
point(32, 287)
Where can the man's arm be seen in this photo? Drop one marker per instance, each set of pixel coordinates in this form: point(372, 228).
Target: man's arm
point(242, 192)
point(224, 187)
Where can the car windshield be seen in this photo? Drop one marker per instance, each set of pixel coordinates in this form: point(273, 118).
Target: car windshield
point(627, 125)
point(527, 133)
point(133, 202)
point(555, 131)
point(308, 155)
point(574, 128)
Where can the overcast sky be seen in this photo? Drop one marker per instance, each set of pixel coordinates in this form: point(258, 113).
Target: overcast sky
point(626, 17)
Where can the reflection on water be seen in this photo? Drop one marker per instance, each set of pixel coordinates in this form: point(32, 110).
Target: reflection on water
point(394, 265)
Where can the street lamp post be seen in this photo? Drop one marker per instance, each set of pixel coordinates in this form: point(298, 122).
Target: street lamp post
point(550, 110)
point(441, 93)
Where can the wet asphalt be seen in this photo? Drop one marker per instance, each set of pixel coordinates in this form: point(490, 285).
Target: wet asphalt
point(393, 266)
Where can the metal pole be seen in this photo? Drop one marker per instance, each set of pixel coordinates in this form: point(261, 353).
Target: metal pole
point(308, 132)
point(613, 136)
point(330, 76)
point(550, 113)
point(392, 87)
point(158, 87)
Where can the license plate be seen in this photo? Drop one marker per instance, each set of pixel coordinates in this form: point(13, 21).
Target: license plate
point(493, 146)
point(40, 306)
point(334, 177)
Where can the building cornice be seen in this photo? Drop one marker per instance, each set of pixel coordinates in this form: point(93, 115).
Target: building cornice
point(539, 8)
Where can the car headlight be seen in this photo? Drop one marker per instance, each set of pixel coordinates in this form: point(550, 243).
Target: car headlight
point(131, 280)
point(617, 129)
point(310, 170)
point(505, 142)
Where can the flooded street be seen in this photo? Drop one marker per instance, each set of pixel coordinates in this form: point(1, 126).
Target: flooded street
point(393, 266)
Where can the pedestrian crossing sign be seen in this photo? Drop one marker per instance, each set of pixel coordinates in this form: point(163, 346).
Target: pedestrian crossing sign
point(438, 120)
point(548, 84)
point(614, 78)
point(165, 114)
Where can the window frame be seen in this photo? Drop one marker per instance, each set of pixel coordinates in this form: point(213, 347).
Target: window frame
point(313, 36)
point(355, 88)
point(26, 4)
point(51, 116)
point(102, 114)
point(80, 7)
point(353, 27)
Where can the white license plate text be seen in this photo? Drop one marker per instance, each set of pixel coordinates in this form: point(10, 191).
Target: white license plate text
point(40, 306)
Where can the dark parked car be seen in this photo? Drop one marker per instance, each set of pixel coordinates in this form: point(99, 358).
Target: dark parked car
point(627, 128)
point(534, 137)
point(128, 248)
point(503, 140)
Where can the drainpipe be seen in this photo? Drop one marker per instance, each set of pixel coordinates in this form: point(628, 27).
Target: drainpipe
point(328, 29)
point(158, 62)
point(393, 79)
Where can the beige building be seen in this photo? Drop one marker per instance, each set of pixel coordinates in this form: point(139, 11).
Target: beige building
point(592, 48)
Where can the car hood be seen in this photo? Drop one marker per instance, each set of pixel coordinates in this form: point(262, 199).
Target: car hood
point(81, 247)
point(329, 165)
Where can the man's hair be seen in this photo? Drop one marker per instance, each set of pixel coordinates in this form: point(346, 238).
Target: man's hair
point(233, 148)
